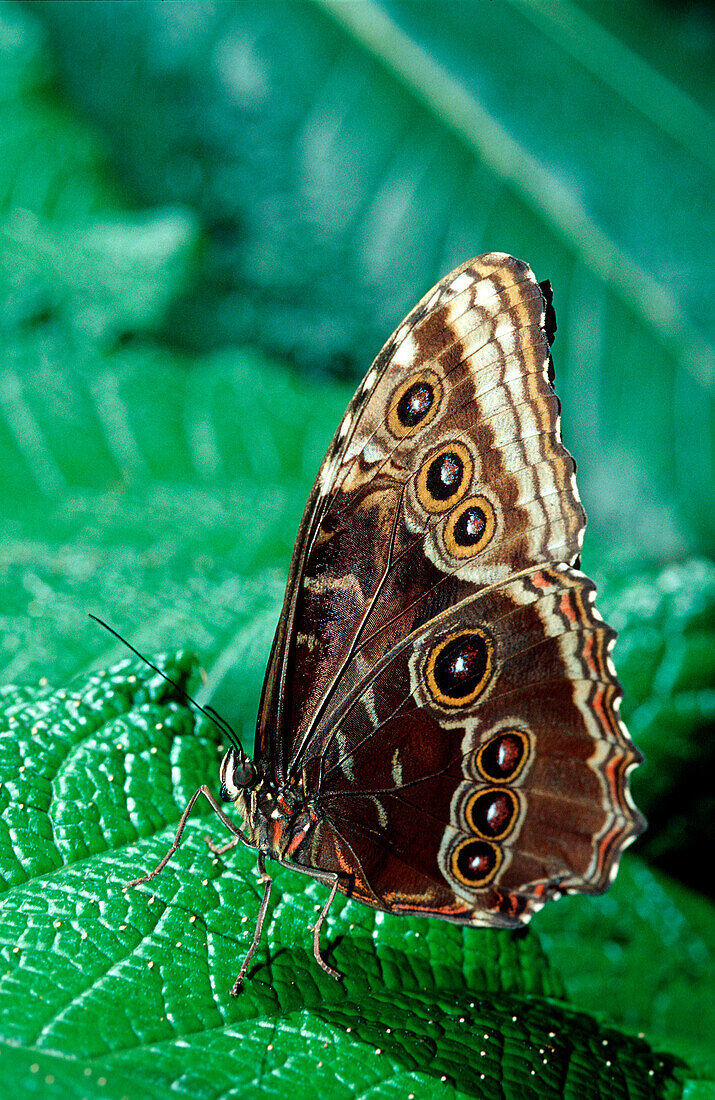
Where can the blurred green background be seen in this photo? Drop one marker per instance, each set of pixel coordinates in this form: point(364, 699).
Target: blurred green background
point(211, 216)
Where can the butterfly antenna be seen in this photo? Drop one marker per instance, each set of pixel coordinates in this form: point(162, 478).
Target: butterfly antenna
point(210, 713)
point(221, 721)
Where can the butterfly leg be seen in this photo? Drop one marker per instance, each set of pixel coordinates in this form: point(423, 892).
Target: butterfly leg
point(238, 835)
point(221, 849)
point(316, 933)
point(267, 883)
point(331, 879)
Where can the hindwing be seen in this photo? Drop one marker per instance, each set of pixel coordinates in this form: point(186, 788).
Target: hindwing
point(481, 766)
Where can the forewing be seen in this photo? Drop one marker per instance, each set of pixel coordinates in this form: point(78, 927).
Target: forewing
point(446, 474)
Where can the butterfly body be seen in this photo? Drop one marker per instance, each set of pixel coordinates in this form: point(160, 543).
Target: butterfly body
point(439, 730)
point(276, 818)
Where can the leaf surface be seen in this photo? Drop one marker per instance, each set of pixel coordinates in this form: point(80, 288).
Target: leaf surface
point(344, 156)
point(93, 779)
point(162, 491)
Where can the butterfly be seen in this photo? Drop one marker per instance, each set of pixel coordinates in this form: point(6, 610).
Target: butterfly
point(439, 728)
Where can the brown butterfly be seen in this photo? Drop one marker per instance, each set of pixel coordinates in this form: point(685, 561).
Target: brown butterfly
point(439, 731)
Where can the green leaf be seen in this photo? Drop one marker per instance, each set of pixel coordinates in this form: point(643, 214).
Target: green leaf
point(50, 163)
point(134, 984)
point(102, 283)
point(163, 492)
point(657, 940)
point(666, 660)
point(104, 280)
point(680, 55)
point(344, 156)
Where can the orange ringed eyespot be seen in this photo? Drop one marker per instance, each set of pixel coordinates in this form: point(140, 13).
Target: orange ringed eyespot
point(414, 404)
point(444, 477)
point(459, 667)
point(475, 862)
point(470, 527)
point(492, 813)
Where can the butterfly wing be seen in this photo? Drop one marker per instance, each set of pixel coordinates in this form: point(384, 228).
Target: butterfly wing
point(446, 473)
point(437, 549)
point(481, 767)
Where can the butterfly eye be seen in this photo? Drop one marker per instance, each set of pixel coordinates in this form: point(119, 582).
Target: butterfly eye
point(444, 477)
point(236, 773)
point(245, 774)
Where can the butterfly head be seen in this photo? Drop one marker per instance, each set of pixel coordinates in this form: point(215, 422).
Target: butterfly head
point(237, 773)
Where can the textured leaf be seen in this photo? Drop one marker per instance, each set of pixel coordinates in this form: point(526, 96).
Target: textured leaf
point(666, 660)
point(107, 281)
point(346, 155)
point(133, 985)
point(658, 943)
point(50, 163)
point(163, 492)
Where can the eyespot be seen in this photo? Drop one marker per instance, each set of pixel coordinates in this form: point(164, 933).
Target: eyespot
point(460, 667)
point(414, 403)
point(444, 477)
point(470, 527)
point(493, 813)
point(502, 758)
point(475, 862)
